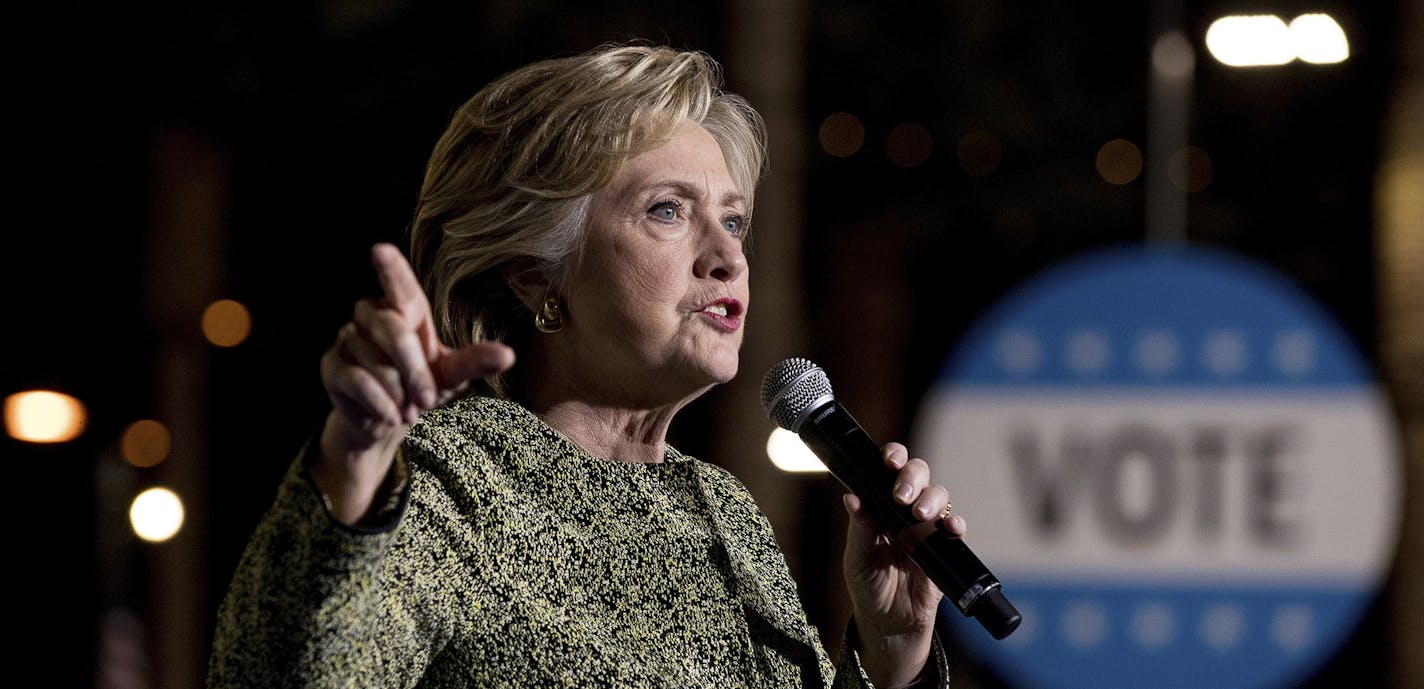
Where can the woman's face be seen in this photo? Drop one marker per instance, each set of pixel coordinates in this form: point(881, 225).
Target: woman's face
point(656, 303)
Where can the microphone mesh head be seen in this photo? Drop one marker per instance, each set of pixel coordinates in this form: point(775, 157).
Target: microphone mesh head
point(790, 388)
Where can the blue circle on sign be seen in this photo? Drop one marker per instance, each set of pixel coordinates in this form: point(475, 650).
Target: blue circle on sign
point(1178, 465)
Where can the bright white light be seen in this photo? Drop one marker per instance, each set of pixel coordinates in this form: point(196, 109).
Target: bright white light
point(788, 453)
point(1250, 41)
point(43, 416)
point(1318, 39)
point(156, 514)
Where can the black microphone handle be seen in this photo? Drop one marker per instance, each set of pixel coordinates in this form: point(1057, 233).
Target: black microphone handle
point(833, 434)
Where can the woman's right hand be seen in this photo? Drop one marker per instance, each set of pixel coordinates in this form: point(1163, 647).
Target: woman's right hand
point(385, 368)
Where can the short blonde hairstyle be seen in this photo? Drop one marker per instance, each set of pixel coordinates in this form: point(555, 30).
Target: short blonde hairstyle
point(508, 185)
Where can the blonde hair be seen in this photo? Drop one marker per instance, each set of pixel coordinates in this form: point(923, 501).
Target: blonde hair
point(507, 188)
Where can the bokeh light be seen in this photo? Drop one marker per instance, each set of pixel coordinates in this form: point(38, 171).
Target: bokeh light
point(842, 134)
point(1119, 161)
point(909, 144)
point(980, 153)
point(156, 514)
point(44, 416)
point(226, 323)
point(789, 454)
point(1173, 55)
point(145, 443)
point(1250, 41)
point(1189, 169)
point(1318, 39)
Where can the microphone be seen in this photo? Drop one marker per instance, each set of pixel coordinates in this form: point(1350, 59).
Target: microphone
point(796, 394)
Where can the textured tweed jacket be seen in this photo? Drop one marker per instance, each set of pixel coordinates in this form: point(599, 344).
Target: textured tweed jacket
point(511, 558)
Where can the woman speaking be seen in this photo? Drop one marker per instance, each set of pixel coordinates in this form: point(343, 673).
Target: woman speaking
point(464, 520)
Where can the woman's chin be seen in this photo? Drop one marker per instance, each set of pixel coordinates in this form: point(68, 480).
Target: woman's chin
point(716, 372)
point(725, 370)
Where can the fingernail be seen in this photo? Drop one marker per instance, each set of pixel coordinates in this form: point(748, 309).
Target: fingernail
point(923, 511)
point(902, 492)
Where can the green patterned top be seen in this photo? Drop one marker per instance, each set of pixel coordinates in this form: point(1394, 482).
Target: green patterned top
point(512, 558)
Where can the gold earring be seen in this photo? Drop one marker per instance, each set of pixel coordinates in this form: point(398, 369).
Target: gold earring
point(549, 319)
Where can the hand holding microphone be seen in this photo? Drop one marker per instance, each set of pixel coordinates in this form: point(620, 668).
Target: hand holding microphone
point(797, 396)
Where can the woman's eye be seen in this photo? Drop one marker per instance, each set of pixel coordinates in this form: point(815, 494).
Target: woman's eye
point(734, 223)
point(666, 210)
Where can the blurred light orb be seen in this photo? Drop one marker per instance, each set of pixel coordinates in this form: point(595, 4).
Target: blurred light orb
point(226, 323)
point(789, 454)
point(1119, 161)
point(980, 153)
point(909, 144)
point(145, 443)
point(842, 134)
point(1173, 55)
point(156, 515)
point(1189, 169)
point(1250, 41)
point(44, 416)
point(1318, 39)
point(1263, 40)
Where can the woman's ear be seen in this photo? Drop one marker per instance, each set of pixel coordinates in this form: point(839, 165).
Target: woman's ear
point(527, 282)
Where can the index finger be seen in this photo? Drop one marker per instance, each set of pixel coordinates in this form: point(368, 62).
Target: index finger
point(895, 455)
point(398, 279)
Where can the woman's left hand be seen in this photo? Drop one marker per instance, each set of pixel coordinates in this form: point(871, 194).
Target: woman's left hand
point(894, 601)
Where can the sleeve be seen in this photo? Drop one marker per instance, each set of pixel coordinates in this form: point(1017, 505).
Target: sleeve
point(317, 604)
point(850, 674)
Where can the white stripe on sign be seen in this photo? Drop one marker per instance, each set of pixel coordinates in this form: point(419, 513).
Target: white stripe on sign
point(1245, 486)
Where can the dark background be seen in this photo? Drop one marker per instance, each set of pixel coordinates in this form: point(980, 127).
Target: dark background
point(320, 117)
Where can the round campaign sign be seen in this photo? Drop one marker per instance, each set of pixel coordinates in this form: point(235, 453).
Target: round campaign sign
point(1179, 467)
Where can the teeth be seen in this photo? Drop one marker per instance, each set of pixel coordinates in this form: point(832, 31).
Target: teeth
point(719, 309)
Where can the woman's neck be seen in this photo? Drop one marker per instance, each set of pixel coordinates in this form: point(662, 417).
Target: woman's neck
point(608, 431)
point(609, 416)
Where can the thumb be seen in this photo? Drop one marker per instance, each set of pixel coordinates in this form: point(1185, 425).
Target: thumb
point(455, 367)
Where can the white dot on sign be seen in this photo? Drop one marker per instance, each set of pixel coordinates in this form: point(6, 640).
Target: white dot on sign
point(1292, 627)
point(1294, 353)
point(1019, 351)
point(1088, 352)
point(1223, 626)
point(1153, 625)
point(1224, 352)
point(1155, 352)
point(1029, 625)
point(788, 453)
point(156, 514)
point(1084, 624)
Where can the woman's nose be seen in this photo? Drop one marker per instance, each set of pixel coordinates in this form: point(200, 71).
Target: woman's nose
point(721, 256)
